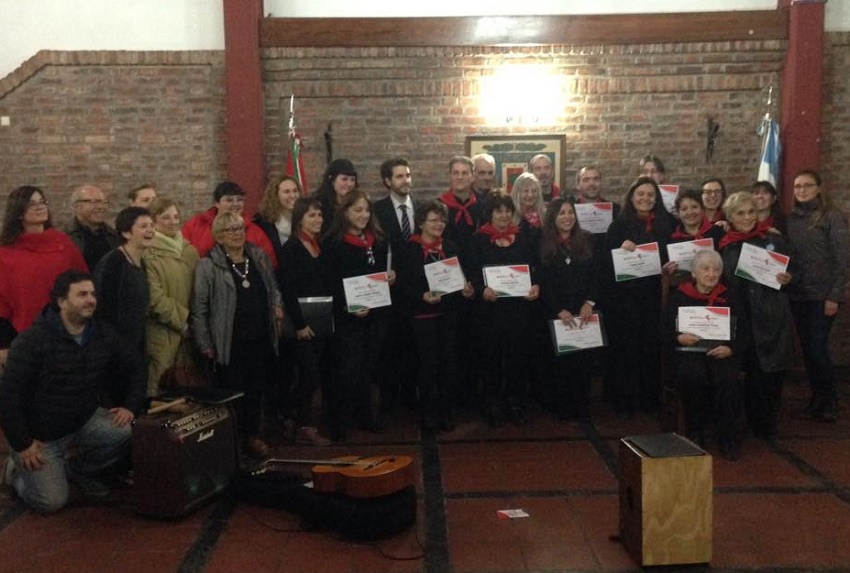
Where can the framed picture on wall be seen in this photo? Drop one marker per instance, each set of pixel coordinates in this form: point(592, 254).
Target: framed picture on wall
point(512, 153)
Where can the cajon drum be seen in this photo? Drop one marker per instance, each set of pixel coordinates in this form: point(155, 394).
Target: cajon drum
point(666, 491)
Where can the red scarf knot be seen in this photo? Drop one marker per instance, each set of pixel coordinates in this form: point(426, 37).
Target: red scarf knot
point(310, 240)
point(452, 202)
point(509, 234)
point(532, 218)
point(683, 235)
point(433, 248)
point(731, 237)
point(365, 243)
point(713, 298)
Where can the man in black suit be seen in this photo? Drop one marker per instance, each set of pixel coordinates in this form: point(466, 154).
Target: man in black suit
point(395, 214)
point(395, 211)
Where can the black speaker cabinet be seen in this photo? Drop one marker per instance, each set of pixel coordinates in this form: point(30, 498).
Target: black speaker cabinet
point(181, 458)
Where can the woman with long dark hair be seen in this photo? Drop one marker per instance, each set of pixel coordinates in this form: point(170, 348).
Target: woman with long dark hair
point(819, 237)
point(302, 274)
point(502, 321)
point(338, 180)
point(355, 246)
point(568, 290)
point(636, 304)
point(32, 255)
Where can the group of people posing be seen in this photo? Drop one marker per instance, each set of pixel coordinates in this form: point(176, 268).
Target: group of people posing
point(241, 294)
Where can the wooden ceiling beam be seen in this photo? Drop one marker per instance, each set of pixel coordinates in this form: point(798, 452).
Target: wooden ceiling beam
point(526, 30)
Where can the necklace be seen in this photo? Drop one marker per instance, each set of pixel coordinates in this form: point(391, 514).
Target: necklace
point(242, 275)
point(567, 255)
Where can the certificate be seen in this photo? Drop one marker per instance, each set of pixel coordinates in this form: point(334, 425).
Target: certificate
point(367, 291)
point(594, 217)
point(683, 253)
point(510, 280)
point(705, 322)
point(668, 196)
point(570, 339)
point(644, 261)
point(761, 266)
point(445, 276)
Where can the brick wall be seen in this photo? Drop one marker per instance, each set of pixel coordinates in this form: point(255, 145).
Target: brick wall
point(623, 102)
point(116, 119)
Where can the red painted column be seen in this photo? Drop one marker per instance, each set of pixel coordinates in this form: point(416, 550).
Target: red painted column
point(243, 84)
point(802, 91)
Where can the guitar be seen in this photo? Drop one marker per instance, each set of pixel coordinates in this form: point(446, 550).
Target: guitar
point(354, 476)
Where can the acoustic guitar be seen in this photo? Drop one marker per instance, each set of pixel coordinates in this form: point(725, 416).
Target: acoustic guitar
point(354, 476)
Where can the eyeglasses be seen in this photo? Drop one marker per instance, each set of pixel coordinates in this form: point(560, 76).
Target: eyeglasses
point(805, 186)
point(34, 204)
point(93, 201)
point(232, 199)
point(712, 191)
point(234, 230)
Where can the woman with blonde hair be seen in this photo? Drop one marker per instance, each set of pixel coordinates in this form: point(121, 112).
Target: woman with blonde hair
point(274, 215)
point(528, 200)
point(169, 264)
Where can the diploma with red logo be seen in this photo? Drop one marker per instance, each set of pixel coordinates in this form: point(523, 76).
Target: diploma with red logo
point(509, 280)
point(570, 339)
point(683, 253)
point(445, 276)
point(644, 261)
point(668, 196)
point(705, 322)
point(761, 266)
point(594, 218)
point(367, 291)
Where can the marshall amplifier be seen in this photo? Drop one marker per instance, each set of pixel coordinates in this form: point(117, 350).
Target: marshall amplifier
point(182, 457)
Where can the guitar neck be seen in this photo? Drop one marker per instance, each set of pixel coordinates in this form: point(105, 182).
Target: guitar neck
point(314, 462)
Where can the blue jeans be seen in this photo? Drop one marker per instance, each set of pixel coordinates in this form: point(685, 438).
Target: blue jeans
point(99, 443)
point(813, 328)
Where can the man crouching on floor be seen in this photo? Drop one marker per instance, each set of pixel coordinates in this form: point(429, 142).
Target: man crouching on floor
point(69, 382)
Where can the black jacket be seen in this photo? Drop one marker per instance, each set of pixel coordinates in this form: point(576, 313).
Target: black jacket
point(52, 385)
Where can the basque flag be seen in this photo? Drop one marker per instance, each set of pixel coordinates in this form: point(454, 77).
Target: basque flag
point(771, 151)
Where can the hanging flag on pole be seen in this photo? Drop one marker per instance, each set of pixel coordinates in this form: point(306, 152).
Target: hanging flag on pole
point(771, 148)
point(294, 164)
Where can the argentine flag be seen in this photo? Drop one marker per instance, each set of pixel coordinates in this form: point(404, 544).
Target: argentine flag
point(771, 151)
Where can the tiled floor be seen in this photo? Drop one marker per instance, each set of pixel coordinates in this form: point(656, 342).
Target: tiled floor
point(782, 507)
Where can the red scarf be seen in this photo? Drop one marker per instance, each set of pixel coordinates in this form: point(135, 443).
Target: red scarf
point(731, 237)
point(769, 222)
point(681, 234)
point(532, 218)
point(508, 234)
point(712, 298)
point(565, 242)
point(449, 199)
point(365, 243)
point(435, 248)
point(648, 222)
point(310, 240)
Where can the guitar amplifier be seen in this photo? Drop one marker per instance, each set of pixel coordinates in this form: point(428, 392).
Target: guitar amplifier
point(181, 458)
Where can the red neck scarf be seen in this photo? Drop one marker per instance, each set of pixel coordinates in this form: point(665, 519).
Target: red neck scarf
point(435, 248)
point(451, 201)
point(532, 218)
point(769, 222)
point(712, 298)
point(680, 232)
point(565, 242)
point(311, 241)
point(732, 237)
point(508, 234)
point(365, 243)
point(647, 223)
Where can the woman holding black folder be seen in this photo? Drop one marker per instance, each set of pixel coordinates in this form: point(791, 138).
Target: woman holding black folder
point(354, 247)
point(302, 274)
point(433, 316)
point(568, 289)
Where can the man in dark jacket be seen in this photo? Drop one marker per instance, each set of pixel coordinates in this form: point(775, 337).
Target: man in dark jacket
point(70, 381)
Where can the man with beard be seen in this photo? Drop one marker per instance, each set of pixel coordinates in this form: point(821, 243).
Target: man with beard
point(70, 383)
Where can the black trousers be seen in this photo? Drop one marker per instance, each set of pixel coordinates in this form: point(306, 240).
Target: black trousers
point(437, 374)
point(711, 391)
point(309, 355)
point(250, 370)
